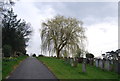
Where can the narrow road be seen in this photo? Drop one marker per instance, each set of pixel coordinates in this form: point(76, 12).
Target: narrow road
point(31, 68)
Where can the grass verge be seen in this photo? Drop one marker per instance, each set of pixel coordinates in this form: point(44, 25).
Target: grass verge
point(63, 70)
point(9, 64)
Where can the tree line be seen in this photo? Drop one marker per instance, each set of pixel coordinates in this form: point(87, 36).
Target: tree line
point(15, 34)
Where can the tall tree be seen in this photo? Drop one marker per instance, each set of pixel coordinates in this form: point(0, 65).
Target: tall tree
point(5, 5)
point(14, 32)
point(61, 33)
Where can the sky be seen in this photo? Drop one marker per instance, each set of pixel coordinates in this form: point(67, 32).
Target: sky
point(100, 21)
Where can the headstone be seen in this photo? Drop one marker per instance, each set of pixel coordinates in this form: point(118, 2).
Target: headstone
point(84, 65)
point(87, 60)
point(101, 64)
point(112, 62)
point(107, 65)
point(116, 66)
point(71, 62)
point(96, 62)
point(91, 61)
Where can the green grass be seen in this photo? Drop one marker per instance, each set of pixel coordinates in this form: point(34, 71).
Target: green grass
point(9, 64)
point(63, 70)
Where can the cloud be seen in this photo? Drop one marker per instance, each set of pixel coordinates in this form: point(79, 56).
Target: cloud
point(102, 37)
point(83, 10)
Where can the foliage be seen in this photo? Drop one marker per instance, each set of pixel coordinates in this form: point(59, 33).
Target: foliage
point(7, 50)
point(5, 5)
point(41, 56)
point(15, 32)
point(65, 53)
point(112, 54)
point(61, 33)
point(27, 54)
point(79, 53)
point(89, 55)
point(34, 55)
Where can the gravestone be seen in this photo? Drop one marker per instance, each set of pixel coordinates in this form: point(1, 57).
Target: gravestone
point(116, 66)
point(84, 65)
point(101, 63)
point(112, 62)
point(87, 61)
point(107, 65)
point(96, 62)
point(71, 62)
point(91, 61)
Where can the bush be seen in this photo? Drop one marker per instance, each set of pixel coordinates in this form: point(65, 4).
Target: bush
point(41, 56)
point(27, 54)
point(89, 55)
point(34, 55)
point(7, 49)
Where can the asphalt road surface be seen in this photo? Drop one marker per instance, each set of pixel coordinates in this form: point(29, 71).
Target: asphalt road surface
point(31, 68)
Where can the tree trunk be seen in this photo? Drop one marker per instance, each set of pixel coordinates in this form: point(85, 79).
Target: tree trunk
point(57, 53)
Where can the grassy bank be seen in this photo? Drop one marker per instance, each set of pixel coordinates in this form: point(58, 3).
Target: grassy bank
point(65, 71)
point(9, 64)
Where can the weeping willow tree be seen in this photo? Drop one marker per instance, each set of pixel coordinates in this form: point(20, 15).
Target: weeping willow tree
point(61, 33)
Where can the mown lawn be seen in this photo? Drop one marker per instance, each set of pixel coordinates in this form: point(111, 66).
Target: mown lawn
point(9, 64)
point(62, 70)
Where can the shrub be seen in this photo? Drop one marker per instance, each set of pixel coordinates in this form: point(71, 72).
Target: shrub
point(41, 56)
point(7, 49)
point(27, 54)
point(89, 55)
point(34, 55)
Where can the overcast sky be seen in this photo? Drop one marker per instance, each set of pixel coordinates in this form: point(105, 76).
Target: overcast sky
point(100, 20)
